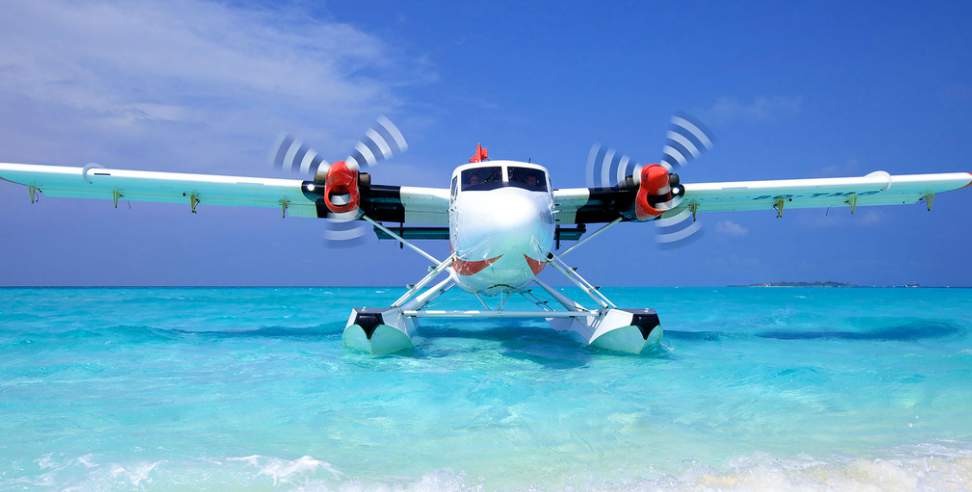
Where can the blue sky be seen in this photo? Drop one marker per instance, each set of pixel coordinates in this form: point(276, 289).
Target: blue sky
point(790, 90)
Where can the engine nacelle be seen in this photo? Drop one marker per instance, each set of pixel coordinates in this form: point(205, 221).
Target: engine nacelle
point(341, 193)
point(654, 188)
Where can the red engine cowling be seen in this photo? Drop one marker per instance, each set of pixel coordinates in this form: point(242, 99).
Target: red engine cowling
point(654, 188)
point(341, 188)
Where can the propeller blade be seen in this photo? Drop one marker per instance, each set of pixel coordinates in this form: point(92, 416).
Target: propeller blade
point(296, 157)
point(676, 228)
point(679, 235)
point(684, 142)
point(379, 143)
point(606, 167)
point(344, 233)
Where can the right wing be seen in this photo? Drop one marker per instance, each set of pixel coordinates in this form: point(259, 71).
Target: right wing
point(294, 197)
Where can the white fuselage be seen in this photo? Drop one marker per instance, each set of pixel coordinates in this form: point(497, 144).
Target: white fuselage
point(501, 232)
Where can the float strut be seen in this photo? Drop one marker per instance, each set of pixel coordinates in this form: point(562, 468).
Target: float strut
point(564, 301)
point(929, 199)
point(193, 202)
point(284, 205)
point(694, 208)
point(32, 193)
point(579, 281)
point(115, 195)
point(433, 272)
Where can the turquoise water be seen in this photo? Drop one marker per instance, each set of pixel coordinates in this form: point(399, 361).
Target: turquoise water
point(216, 389)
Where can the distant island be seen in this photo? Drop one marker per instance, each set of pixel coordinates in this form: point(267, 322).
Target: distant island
point(799, 284)
point(828, 283)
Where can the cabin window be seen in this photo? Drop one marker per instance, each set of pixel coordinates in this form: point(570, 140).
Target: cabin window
point(454, 188)
point(482, 178)
point(528, 178)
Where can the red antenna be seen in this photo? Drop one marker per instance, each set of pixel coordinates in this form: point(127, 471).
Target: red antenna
point(482, 154)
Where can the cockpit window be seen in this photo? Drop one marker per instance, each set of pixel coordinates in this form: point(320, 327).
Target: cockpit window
point(482, 178)
point(529, 178)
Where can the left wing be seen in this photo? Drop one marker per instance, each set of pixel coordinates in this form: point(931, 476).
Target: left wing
point(594, 205)
point(877, 188)
point(293, 197)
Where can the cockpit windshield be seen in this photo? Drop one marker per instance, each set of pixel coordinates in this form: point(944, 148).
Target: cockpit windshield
point(528, 178)
point(482, 178)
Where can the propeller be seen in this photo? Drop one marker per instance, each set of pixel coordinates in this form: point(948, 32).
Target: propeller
point(685, 141)
point(381, 142)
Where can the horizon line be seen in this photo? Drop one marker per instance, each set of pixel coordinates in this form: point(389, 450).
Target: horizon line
point(283, 286)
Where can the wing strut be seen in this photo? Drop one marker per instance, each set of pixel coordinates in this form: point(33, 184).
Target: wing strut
point(592, 236)
point(402, 240)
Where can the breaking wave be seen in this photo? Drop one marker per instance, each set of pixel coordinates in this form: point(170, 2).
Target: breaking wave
point(916, 468)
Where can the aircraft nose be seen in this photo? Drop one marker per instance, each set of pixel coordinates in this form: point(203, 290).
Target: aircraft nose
point(507, 221)
point(516, 211)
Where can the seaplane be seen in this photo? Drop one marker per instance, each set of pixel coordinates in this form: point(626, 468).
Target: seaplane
point(504, 220)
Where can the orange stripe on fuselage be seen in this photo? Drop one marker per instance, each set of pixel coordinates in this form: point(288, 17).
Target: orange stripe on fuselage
point(466, 267)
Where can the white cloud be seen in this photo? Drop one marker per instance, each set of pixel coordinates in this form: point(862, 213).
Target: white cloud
point(730, 228)
point(760, 108)
point(186, 82)
point(871, 217)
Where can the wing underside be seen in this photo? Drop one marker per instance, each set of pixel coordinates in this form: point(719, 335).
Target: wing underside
point(874, 189)
point(429, 206)
point(593, 205)
point(293, 197)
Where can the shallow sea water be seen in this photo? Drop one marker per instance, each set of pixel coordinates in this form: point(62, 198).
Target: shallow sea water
point(252, 389)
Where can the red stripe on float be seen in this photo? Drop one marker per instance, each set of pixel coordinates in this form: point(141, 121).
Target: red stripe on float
point(467, 267)
point(535, 266)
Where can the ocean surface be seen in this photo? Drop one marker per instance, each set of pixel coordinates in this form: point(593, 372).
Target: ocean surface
point(252, 389)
